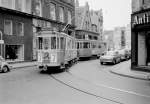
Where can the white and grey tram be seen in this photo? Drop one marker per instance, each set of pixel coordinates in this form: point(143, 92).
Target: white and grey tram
point(55, 49)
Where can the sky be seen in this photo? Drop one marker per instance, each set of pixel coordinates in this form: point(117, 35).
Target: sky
point(115, 12)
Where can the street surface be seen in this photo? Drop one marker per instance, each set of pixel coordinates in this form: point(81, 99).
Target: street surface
point(87, 82)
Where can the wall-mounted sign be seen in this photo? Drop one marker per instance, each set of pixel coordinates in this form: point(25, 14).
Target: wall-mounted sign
point(139, 19)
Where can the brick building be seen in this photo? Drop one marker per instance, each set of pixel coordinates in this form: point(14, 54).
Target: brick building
point(16, 29)
point(20, 20)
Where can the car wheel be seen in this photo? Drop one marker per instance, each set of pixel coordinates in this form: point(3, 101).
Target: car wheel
point(5, 69)
point(114, 62)
point(102, 63)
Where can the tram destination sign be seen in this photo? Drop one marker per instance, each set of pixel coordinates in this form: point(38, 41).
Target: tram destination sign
point(140, 19)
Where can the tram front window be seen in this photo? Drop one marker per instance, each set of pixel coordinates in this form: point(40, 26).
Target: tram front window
point(53, 42)
point(85, 45)
point(46, 43)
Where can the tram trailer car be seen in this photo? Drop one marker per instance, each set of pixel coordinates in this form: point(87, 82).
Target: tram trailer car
point(84, 48)
point(96, 48)
point(55, 50)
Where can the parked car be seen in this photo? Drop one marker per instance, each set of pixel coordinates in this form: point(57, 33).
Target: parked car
point(110, 57)
point(124, 54)
point(4, 66)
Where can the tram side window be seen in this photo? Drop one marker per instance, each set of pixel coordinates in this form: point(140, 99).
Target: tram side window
point(81, 45)
point(78, 45)
point(85, 45)
point(62, 43)
point(53, 42)
point(40, 43)
point(58, 43)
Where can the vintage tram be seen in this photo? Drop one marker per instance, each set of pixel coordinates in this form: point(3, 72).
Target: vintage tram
point(89, 48)
point(84, 48)
point(55, 50)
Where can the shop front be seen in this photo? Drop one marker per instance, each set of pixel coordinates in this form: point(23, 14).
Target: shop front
point(140, 41)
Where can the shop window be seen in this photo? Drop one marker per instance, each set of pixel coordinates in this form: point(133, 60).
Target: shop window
point(8, 27)
point(61, 14)
point(14, 52)
point(52, 11)
point(20, 29)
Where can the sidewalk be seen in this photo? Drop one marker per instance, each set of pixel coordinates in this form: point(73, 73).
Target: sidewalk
point(16, 65)
point(127, 72)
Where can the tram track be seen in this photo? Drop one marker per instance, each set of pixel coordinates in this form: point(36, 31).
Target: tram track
point(81, 90)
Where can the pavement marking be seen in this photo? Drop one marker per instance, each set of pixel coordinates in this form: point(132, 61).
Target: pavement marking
point(117, 89)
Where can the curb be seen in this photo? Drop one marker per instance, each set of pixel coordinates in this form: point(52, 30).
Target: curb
point(146, 77)
point(22, 67)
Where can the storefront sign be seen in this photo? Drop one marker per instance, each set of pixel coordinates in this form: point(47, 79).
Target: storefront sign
point(140, 19)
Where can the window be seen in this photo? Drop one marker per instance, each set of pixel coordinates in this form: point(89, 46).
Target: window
point(28, 6)
point(58, 43)
point(18, 5)
point(8, 3)
point(61, 14)
point(20, 29)
point(62, 43)
point(53, 42)
point(40, 43)
point(46, 43)
point(38, 8)
point(52, 11)
point(69, 17)
point(8, 27)
point(86, 45)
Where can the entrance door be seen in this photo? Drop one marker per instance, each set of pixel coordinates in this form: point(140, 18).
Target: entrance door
point(142, 51)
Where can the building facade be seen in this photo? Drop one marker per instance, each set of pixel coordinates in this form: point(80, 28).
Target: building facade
point(97, 22)
point(119, 37)
point(16, 30)
point(22, 19)
point(108, 39)
point(89, 21)
point(140, 35)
